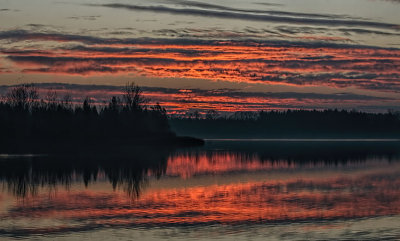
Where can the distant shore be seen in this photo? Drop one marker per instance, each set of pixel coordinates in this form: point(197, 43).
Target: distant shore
point(291, 124)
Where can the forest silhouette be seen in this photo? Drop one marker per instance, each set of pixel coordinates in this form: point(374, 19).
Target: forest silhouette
point(27, 120)
point(289, 124)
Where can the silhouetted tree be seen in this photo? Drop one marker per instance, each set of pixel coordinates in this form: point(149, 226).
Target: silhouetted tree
point(133, 97)
point(211, 115)
point(22, 96)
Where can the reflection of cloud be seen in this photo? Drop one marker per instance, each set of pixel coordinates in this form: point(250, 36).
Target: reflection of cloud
point(282, 17)
point(268, 183)
point(272, 201)
point(186, 164)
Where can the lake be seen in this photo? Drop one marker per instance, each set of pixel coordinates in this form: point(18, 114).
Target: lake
point(225, 190)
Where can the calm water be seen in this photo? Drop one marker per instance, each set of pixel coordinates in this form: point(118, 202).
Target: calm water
point(226, 190)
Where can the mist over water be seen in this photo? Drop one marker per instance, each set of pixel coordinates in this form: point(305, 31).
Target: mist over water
point(224, 190)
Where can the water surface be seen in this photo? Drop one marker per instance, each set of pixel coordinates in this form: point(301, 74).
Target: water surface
point(226, 190)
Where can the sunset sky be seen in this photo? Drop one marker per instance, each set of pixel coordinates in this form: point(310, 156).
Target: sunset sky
point(226, 55)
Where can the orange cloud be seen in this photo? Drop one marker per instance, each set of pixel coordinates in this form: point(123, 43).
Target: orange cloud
point(294, 65)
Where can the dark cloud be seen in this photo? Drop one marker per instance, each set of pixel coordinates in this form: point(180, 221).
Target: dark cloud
point(289, 95)
point(35, 25)
point(392, 1)
point(89, 18)
point(249, 16)
point(292, 30)
point(189, 3)
point(22, 35)
point(280, 32)
point(126, 51)
point(269, 4)
point(367, 31)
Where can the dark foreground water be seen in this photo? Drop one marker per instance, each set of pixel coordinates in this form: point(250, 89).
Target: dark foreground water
point(227, 190)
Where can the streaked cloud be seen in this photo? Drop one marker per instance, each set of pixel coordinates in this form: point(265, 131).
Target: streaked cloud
point(204, 5)
point(90, 17)
point(311, 63)
point(280, 17)
point(269, 4)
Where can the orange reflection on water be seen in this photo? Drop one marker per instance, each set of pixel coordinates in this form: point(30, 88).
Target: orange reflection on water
point(189, 164)
point(265, 201)
point(216, 187)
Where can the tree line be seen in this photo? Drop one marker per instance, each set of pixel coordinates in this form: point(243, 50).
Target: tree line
point(331, 123)
point(24, 115)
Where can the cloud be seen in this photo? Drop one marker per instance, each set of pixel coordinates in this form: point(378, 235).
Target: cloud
point(392, 1)
point(203, 5)
point(310, 63)
point(89, 18)
point(275, 17)
point(364, 68)
point(269, 4)
point(23, 35)
point(293, 30)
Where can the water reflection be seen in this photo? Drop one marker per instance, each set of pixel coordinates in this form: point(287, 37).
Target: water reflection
point(237, 184)
point(220, 157)
point(24, 175)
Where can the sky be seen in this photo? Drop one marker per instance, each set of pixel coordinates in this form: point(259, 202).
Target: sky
point(223, 55)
